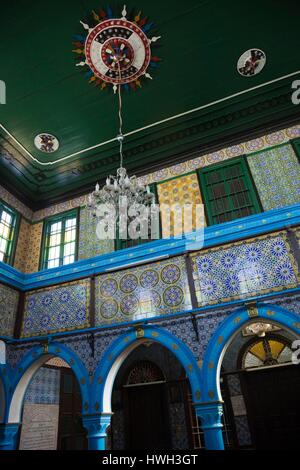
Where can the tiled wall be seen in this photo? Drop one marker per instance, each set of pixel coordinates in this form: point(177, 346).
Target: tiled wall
point(179, 191)
point(9, 299)
point(89, 245)
point(54, 309)
point(238, 270)
point(241, 269)
point(44, 387)
point(276, 174)
point(156, 289)
point(28, 247)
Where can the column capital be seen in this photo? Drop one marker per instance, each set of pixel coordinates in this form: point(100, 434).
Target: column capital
point(96, 424)
point(210, 414)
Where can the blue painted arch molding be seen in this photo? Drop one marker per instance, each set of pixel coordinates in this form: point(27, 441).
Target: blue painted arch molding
point(227, 330)
point(4, 388)
point(118, 351)
point(37, 356)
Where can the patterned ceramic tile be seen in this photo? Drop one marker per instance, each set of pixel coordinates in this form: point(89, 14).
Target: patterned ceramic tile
point(57, 309)
point(239, 150)
point(14, 202)
point(261, 265)
point(34, 248)
point(44, 387)
point(28, 247)
point(89, 245)
point(22, 246)
point(243, 431)
point(9, 299)
point(179, 191)
point(155, 289)
point(276, 174)
point(254, 145)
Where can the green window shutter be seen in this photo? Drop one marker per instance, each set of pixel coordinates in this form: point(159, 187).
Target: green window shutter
point(122, 244)
point(9, 223)
point(228, 191)
point(60, 240)
point(296, 145)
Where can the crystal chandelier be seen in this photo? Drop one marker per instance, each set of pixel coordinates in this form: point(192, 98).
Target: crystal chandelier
point(121, 185)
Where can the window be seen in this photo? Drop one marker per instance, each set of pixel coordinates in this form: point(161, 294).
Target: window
point(228, 192)
point(60, 241)
point(8, 224)
point(129, 243)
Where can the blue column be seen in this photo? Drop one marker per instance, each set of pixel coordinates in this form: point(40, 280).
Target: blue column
point(96, 426)
point(8, 436)
point(210, 415)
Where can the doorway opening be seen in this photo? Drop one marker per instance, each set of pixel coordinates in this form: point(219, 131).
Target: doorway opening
point(263, 388)
point(51, 414)
point(151, 402)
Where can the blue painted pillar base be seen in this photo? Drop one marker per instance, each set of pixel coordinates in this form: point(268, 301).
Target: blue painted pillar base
point(210, 415)
point(96, 426)
point(8, 436)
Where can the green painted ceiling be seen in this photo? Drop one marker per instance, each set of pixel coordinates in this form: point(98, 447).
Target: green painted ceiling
point(201, 43)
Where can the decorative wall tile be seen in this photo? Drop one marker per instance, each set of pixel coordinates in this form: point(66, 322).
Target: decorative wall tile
point(179, 191)
point(34, 248)
point(57, 309)
point(9, 299)
point(239, 150)
point(22, 246)
point(28, 249)
point(276, 174)
point(243, 431)
point(256, 266)
point(89, 245)
point(178, 426)
point(155, 289)
point(12, 201)
point(44, 387)
point(254, 145)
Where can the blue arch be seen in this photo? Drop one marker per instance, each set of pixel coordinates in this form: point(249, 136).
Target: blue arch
point(131, 338)
point(225, 332)
point(35, 354)
point(4, 379)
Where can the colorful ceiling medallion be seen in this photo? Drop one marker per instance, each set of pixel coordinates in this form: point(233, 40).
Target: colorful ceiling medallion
point(251, 62)
point(116, 50)
point(46, 143)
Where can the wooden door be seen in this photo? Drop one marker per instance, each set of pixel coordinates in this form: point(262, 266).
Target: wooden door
point(147, 423)
point(272, 398)
point(71, 434)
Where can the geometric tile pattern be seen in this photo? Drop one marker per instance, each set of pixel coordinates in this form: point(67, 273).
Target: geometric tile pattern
point(44, 387)
point(147, 291)
point(89, 245)
point(243, 431)
point(28, 247)
point(22, 245)
point(179, 191)
point(264, 264)
point(254, 145)
point(57, 309)
point(276, 174)
point(9, 299)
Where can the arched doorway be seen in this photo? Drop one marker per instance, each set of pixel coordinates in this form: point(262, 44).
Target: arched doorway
point(151, 402)
point(51, 409)
point(263, 387)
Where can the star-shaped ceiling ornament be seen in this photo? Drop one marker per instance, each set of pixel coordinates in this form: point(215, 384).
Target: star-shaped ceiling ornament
point(117, 51)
